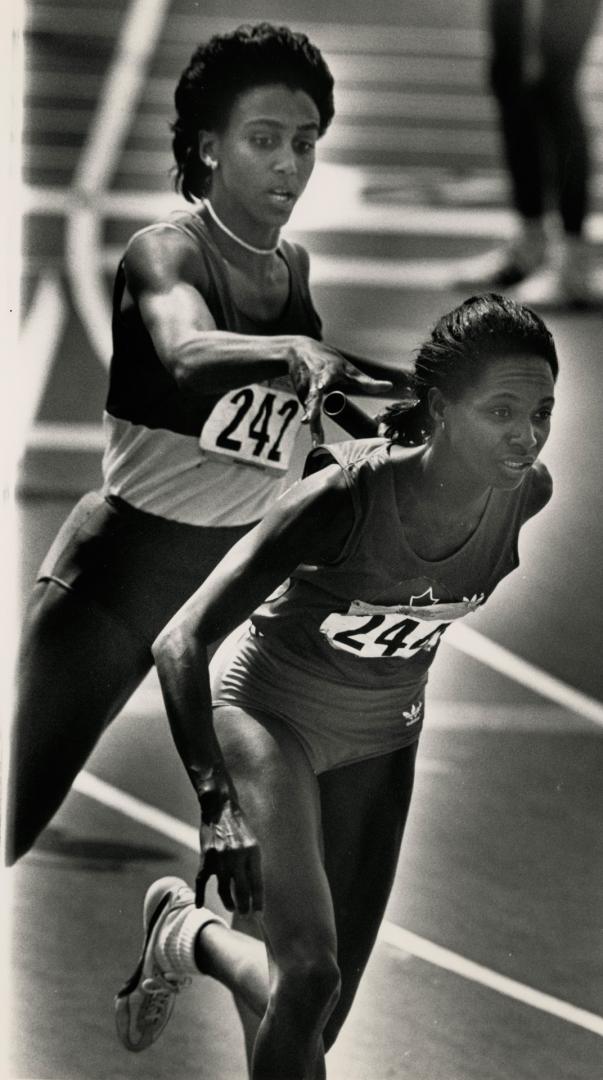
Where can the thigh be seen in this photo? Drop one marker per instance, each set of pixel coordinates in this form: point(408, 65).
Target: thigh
point(139, 568)
point(76, 668)
point(278, 793)
point(75, 659)
point(364, 807)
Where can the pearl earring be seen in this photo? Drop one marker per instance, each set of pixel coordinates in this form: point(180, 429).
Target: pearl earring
point(210, 162)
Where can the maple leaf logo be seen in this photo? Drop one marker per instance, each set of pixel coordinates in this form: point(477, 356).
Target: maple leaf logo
point(424, 599)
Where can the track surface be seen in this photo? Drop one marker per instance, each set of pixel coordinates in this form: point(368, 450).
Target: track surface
point(502, 860)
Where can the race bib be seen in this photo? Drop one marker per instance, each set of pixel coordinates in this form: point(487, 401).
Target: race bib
point(381, 635)
point(375, 631)
point(254, 425)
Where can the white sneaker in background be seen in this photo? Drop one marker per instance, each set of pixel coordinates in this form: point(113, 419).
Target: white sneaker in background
point(576, 272)
point(508, 265)
point(568, 281)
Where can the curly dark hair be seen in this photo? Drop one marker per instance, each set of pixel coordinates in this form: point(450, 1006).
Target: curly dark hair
point(226, 66)
point(461, 345)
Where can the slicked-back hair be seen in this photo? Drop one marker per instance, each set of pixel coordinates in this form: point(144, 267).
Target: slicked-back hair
point(462, 343)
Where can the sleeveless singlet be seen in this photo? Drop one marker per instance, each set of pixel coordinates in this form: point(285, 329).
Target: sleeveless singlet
point(341, 652)
point(219, 461)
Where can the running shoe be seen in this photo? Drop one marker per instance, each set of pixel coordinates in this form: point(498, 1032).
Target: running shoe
point(145, 1003)
point(568, 281)
point(505, 266)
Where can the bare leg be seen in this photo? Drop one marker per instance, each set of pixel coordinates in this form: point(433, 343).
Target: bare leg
point(240, 962)
point(364, 807)
point(278, 793)
point(364, 810)
point(77, 667)
point(249, 1017)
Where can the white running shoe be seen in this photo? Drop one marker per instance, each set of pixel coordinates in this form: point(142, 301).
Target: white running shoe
point(576, 273)
point(505, 266)
point(568, 281)
point(145, 1003)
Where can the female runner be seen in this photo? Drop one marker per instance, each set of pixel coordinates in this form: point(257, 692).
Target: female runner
point(216, 343)
point(369, 558)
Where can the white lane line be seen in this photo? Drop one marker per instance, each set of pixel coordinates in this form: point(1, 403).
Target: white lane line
point(38, 344)
point(427, 274)
point(84, 267)
point(467, 969)
point(116, 110)
point(393, 218)
point(67, 437)
point(137, 810)
point(482, 648)
point(405, 940)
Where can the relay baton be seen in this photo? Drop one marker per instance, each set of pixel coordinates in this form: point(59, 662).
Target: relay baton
point(349, 416)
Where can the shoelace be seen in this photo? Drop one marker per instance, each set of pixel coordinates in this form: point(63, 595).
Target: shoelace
point(159, 988)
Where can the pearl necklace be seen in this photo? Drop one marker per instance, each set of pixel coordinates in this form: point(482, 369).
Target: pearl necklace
point(233, 236)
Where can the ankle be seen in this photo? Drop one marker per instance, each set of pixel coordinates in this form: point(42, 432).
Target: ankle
point(179, 947)
point(530, 244)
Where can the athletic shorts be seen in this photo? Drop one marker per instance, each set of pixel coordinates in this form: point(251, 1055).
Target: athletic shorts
point(336, 723)
point(139, 567)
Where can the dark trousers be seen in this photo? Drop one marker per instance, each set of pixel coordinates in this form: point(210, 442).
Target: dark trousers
point(544, 133)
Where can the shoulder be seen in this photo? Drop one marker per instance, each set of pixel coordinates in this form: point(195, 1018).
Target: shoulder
point(296, 255)
point(320, 508)
point(540, 489)
point(162, 253)
point(324, 487)
point(352, 452)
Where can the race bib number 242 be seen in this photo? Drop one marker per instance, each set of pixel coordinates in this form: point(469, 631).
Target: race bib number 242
point(254, 425)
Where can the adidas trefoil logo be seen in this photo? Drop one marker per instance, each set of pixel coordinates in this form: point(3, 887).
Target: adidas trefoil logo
point(473, 602)
point(413, 714)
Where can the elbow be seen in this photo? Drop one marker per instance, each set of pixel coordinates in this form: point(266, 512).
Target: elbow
point(163, 647)
point(178, 646)
point(191, 362)
point(183, 370)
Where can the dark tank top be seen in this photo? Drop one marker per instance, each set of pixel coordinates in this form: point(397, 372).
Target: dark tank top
point(217, 459)
point(141, 389)
point(378, 613)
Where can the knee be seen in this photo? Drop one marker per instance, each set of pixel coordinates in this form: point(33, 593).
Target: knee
point(310, 984)
point(558, 92)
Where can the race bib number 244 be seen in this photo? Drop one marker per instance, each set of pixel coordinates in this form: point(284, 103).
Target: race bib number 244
point(254, 425)
point(382, 634)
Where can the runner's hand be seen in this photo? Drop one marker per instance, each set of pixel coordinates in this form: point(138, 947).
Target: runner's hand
point(230, 851)
point(317, 368)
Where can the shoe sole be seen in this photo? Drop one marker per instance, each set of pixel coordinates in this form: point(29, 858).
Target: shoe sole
point(120, 999)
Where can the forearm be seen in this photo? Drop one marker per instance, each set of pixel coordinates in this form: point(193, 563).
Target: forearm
point(182, 666)
point(311, 521)
point(221, 360)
